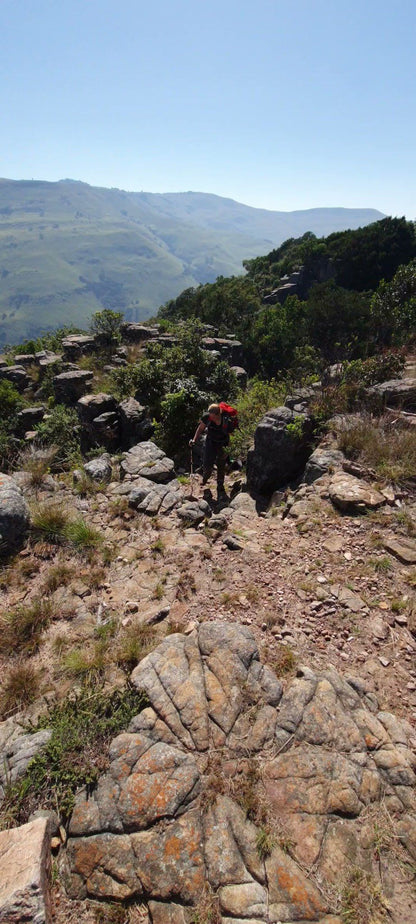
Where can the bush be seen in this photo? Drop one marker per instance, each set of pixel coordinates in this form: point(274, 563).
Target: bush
point(376, 369)
point(10, 400)
point(106, 326)
point(180, 413)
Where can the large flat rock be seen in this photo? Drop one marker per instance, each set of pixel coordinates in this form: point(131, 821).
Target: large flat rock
point(24, 874)
point(221, 756)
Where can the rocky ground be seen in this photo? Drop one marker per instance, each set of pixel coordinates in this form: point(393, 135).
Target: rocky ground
point(251, 792)
point(315, 586)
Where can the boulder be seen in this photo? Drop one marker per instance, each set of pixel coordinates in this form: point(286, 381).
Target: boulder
point(17, 375)
point(14, 516)
point(135, 333)
point(241, 375)
point(350, 494)
point(16, 755)
point(395, 393)
point(135, 423)
point(194, 512)
point(279, 454)
point(91, 406)
point(148, 461)
point(69, 387)
point(147, 497)
point(29, 417)
point(25, 359)
point(300, 399)
point(25, 874)
point(76, 345)
point(320, 462)
point(99, 469)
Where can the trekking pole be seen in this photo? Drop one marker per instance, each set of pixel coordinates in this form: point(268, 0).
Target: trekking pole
point(192, 471)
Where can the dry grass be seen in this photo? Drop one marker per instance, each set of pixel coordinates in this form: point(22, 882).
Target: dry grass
point(362, 901)
point(387, 448)
point(21, 627)
point(134, 643)
point(36, 463)
point(19, 688)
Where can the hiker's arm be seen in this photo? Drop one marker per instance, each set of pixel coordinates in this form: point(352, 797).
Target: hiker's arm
point(199, 430)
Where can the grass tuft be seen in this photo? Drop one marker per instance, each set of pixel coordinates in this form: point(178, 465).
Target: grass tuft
point(19, 689)
point(21, 628)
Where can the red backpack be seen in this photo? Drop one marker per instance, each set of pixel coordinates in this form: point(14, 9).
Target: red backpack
point(230, 417)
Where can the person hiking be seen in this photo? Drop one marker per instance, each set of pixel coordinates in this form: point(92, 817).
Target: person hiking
point(216, 424)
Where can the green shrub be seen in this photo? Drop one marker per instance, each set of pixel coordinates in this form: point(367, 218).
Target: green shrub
point(60, 429)
point(252, 404)
point(11, 402)
point(180, 412)
point(376, 369)
point(106, 326)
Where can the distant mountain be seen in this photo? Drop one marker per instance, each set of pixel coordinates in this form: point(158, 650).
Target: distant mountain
point(68, 249)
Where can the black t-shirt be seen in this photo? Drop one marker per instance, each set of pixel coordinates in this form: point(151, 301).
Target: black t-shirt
point(216, 432)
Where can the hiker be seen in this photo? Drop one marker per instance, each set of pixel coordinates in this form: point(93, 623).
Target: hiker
point(218, 425)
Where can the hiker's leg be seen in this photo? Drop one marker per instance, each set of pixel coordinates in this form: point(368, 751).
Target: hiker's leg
point(221, 460)
point(208, 460)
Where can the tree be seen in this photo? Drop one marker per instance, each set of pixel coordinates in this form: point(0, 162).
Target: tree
point(106, 326)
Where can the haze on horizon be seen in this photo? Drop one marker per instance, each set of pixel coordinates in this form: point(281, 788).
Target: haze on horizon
point(276, 107)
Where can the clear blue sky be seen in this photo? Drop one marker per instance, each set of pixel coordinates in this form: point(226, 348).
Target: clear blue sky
point(281, 105)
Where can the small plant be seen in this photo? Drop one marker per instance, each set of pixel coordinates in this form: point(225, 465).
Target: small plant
point(59, 575)
point(37, 464)
point(362, 901)
point(397, 605)
point(265, 842)
point(85, 486)
point(283, 661)
point(87, 665)
point(82, 536)
point(134, 643)
point(207, 911)
point(381, 565)
point(158, 591)
point(158, 547)
point(49, 523)
point(183, 479)
point(295, 429)
point(110, 913)
point(19, 688)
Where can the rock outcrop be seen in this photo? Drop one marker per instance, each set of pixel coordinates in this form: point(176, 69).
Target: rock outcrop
point(229, 784)
point(281, 448)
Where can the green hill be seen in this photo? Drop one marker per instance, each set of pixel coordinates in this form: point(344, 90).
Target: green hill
point(68, 249)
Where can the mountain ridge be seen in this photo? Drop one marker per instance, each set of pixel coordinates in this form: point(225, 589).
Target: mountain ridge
point(68, 249)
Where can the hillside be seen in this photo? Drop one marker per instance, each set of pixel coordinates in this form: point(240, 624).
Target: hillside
point(253, 667)
point(68, 249)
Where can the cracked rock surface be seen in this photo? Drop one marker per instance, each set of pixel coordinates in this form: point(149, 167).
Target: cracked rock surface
point(224, 758)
